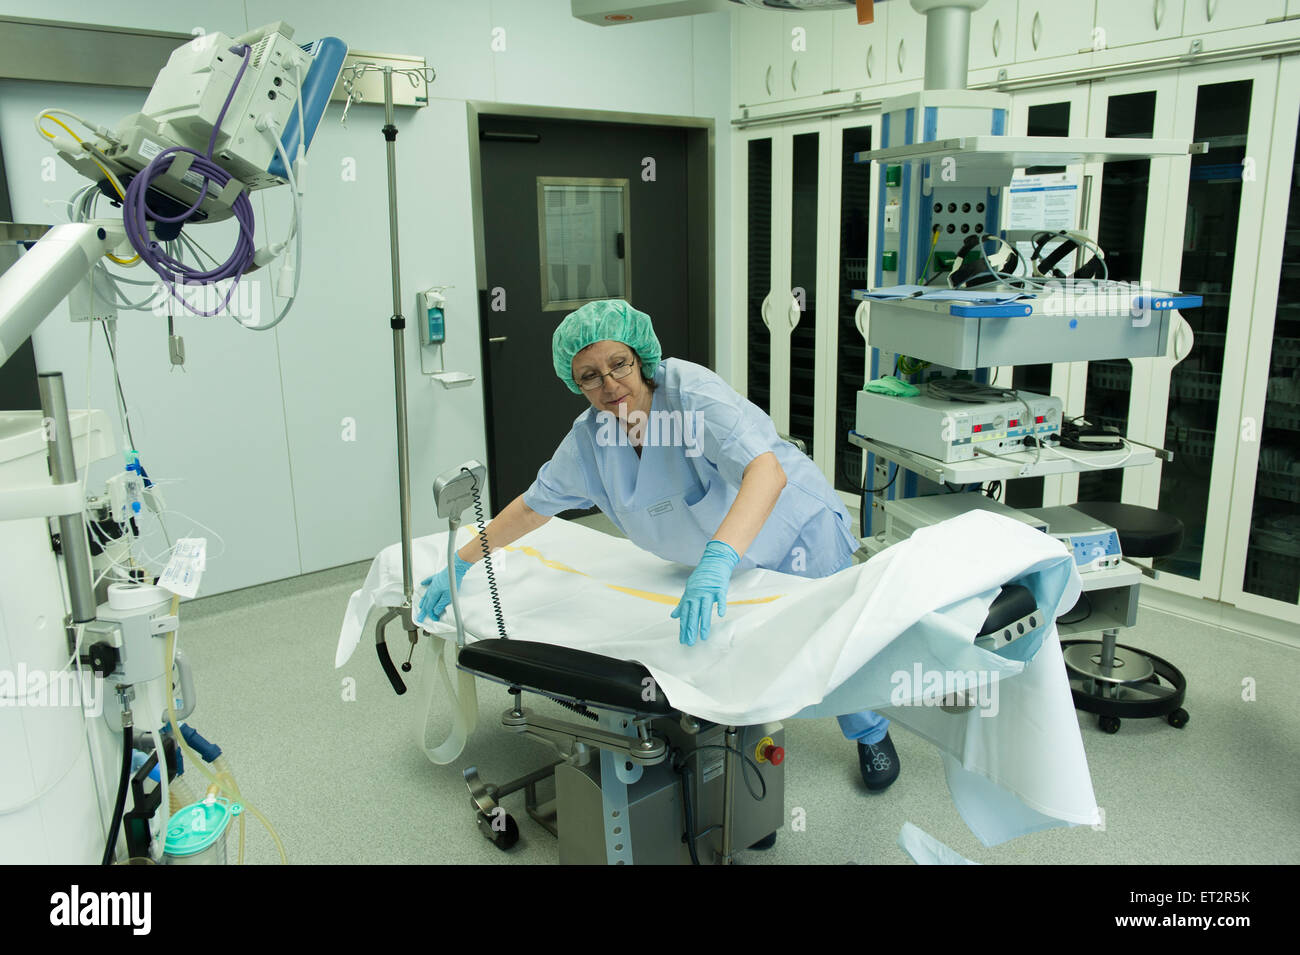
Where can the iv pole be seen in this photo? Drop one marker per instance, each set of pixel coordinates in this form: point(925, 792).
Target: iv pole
point(398, 324)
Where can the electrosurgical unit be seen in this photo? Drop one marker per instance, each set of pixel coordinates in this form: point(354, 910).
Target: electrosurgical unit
point(1095, 545)
point(955, 431)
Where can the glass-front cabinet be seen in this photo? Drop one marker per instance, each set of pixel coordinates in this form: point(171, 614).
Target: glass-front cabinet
point(853, 230)
point(1214, 216)
point(1262, 558)
point(1222, 222)
point(1194, 224)
point(752, 376)
point(1122, 228)
point(807, 251)
point(804, 241)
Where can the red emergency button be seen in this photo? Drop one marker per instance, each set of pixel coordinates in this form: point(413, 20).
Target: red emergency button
point(768, 752)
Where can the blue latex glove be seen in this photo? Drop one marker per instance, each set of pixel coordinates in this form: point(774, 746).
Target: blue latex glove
point(705, 589)
point(438, 594)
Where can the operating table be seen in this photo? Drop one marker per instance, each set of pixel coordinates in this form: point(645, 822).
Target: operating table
point(637, 780)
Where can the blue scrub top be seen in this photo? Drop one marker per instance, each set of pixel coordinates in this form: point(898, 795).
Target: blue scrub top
point(671, 499)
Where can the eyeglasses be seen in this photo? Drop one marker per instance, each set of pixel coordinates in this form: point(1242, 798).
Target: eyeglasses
point(591, 381)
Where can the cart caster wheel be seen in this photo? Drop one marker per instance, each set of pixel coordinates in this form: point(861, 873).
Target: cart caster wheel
point(1108, 724)
point(1178, 718)
point(500, 829)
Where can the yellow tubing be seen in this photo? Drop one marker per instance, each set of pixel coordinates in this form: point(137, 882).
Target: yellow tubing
point(117, 186)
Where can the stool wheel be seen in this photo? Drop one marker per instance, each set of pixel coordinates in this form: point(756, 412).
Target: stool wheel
point(1109, 724)
point(1178, 718)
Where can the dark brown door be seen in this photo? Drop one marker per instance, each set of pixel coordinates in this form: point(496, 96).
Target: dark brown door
point(610, 207)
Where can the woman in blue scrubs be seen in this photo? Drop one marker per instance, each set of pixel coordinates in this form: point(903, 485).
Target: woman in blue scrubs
point(689, 470)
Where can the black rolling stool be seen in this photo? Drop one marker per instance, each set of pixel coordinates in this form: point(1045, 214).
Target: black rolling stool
point(1108, 678)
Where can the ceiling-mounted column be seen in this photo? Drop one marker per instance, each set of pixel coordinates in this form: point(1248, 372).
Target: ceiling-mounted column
point(947, 41)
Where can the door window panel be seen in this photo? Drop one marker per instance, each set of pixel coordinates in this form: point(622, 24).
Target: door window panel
point(1273, 548)
point(805, 166)
point(1041, 119)
point(758, 283)
point(583, 241)
point(1121, 226)
point(855, 227)
point(1209, 244)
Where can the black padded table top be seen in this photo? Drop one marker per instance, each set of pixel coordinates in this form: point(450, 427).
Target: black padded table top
point(565, 672)
point(594, 679)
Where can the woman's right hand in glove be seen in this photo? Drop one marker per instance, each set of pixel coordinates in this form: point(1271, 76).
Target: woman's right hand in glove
point(438, 592)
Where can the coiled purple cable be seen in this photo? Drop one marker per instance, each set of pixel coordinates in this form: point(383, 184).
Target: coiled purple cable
point(136, 214)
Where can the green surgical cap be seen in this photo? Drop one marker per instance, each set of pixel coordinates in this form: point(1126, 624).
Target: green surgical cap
point(608, 320)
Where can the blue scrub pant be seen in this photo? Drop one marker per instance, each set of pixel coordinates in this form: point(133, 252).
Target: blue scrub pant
point(865, 727)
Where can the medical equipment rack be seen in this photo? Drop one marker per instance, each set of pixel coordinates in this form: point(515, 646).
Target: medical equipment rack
point(986, 467)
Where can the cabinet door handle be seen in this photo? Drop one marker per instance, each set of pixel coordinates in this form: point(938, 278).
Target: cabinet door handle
point(997, 36)
point(792, 315)
point(762, 311)
point(1085, 202)
point(859, 314)
point(794, 71)
point(1159, 10)
point(1036, 30)
point(900, 56)
point(767, 80)
point(871, 58)
point(1211, 6)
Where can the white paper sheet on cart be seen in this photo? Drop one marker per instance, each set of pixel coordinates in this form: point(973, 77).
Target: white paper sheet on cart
point(790, 646)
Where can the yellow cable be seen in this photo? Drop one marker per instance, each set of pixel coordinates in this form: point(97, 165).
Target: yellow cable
point(66, 127)
point(117, 186)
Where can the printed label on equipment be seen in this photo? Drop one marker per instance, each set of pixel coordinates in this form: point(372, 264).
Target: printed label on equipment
point(149, 149)
point(663, 507)
point(712, 764)
point(193, 180)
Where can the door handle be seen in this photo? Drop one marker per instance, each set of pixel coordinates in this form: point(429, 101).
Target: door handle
point(900, 56)
point(1210, 8)
point(997, 36)
point(500, 338)
point(792, 314)
point(762, 312)
point(1036, 30)
point(767, 79)
point(794, 72)
point(871, 57)
point(1158, 9)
